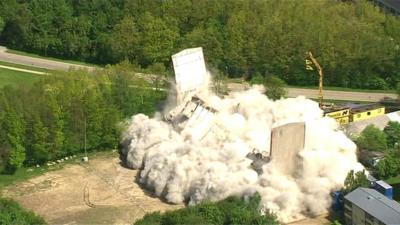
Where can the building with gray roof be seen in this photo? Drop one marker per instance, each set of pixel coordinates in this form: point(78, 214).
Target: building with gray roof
point(365, 206)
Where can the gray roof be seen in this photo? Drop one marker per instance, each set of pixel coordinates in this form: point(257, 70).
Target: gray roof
point(376, 204)
point(378, 121)
point(394, 4)
point(384, 185)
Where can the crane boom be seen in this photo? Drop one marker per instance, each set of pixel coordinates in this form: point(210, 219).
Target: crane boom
point(321, 78)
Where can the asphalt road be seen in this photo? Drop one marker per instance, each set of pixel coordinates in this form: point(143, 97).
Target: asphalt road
point(38, 62)
point(292, 92)
point(331, 95)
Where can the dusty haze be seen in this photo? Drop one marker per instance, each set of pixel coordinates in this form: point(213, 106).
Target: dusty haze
point(179, 167)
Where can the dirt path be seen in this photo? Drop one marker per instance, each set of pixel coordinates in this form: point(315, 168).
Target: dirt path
point(38, 62)
point(100, 192)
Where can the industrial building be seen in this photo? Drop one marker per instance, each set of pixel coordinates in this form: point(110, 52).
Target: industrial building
point(347, 113)
point(365, 206)
point(362, 112)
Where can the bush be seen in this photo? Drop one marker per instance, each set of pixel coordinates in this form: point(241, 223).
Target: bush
point(372, 139)
point(233, 210)
point(392, 131)
point(12, 213)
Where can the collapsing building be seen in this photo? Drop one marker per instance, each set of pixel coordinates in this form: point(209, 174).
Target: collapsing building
point(204, 147)
point(194, 113)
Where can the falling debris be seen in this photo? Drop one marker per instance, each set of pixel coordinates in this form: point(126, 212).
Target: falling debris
point(208, 148)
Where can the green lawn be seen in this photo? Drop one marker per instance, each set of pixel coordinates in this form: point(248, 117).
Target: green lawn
point(15, 78)
point(51, 58)
point(20, 175)
point(394, 180)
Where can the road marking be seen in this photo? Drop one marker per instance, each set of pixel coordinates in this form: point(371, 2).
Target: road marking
point(23, 70)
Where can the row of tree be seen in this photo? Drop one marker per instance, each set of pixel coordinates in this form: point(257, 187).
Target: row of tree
point(357, 44)
point(62, 114)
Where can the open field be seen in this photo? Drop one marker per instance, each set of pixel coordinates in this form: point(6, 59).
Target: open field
point(98, 192)
point(14, 78)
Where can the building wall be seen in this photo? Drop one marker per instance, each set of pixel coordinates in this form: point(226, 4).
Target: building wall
point(358, 215)
point(286, 142)
point(354, 215)
point(368, 114)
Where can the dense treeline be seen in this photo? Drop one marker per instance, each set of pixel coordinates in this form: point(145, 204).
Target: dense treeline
point(232, 210)
point(49, 120)
point(12, 213)
point(357, 44)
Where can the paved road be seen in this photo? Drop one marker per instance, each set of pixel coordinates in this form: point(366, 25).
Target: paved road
point(38, 62)
point(332, 95)
point(292, 92)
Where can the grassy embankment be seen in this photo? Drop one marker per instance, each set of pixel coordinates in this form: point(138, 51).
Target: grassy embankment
point(14, 77)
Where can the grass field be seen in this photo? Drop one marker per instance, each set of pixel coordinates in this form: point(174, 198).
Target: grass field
point(51, 58)
point(15, 78)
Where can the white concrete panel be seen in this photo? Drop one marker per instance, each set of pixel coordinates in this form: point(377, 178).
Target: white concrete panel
point(286, 142)
point(190, 70)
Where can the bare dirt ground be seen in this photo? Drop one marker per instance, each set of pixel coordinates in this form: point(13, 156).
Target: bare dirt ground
point(98, 192)
point(322, 219)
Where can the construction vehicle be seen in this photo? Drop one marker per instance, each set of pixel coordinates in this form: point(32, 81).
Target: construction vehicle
point(346, 113)
point(309, 66)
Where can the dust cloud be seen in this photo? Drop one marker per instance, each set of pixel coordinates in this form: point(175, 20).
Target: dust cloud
point(208, 159)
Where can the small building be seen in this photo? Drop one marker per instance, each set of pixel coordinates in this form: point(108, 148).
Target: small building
point(340, 114)
point(365, 111)
point(365, 206)
point(384, 188)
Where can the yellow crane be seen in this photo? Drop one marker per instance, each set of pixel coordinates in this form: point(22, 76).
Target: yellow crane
point(309, 66)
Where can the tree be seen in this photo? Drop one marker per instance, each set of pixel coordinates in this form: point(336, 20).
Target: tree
point(398, 90)
point(2, 24)
point(392, 131)
point(12, 213)
point(39, 147)
point(125, 40)
point(157, 39)
point(354, 181)
point(372, 139)
point(14, 127)
point(389, 166)
point(275, 88)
